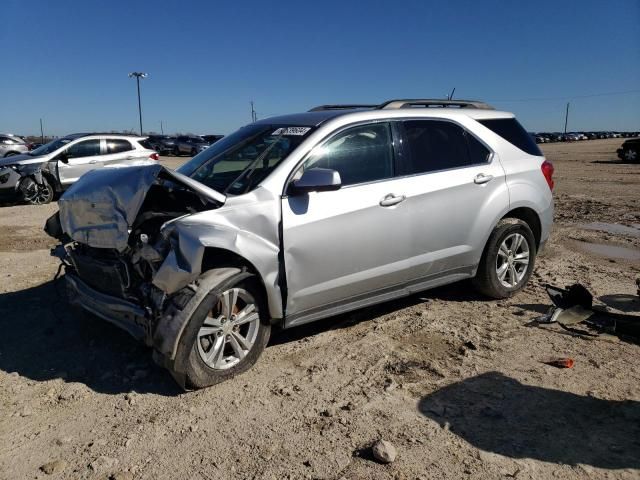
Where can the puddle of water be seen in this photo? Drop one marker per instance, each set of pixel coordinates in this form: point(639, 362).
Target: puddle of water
point(611, 251)
point(614, 228)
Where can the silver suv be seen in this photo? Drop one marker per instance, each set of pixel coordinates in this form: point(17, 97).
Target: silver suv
point(34, 177)
point(300, 217)
point(11, 145)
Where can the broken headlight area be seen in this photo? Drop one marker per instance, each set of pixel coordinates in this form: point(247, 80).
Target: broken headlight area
point(116, 230)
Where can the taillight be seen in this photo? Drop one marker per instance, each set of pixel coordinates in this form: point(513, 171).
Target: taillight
point(547, 171)
point(154, 156)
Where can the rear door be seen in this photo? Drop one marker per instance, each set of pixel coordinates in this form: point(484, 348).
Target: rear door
point(455, 187)
point(81, 157)
point(119, 152)
point(341, 246)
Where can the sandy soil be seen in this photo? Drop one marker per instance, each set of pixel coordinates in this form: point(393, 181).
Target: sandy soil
point(455, 382)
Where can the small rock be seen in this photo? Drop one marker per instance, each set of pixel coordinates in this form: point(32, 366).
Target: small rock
point(327, 413)
point(62, 440)
point(384, 451)
point(103, 463)
point(390, 385)
point(26, 411)
point(53, 467)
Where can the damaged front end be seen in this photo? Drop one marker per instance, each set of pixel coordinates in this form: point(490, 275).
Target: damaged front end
point(31, 180)
point(119, 248)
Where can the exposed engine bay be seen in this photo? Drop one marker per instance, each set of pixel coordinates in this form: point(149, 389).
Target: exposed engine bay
point(118, 251)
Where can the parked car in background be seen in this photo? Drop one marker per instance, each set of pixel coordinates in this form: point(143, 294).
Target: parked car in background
point(189, 145)
point(163, 144)
point(297, 218)
point(629, 150)
point(12, 145)
point(35, 176)
point(211, 139)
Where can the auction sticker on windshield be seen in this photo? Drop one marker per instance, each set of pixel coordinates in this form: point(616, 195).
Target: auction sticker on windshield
point(298, 131)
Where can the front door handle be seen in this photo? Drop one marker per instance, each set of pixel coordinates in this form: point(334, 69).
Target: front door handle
point(482, 178)
point(93, 161)
point(391, 199)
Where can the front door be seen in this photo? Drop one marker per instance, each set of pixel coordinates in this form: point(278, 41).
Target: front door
point(342, 245)
point(80, 158)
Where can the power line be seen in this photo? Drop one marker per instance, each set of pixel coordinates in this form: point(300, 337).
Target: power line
point(567, 97)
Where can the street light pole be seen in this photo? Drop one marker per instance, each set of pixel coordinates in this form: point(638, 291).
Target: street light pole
point(138, 76)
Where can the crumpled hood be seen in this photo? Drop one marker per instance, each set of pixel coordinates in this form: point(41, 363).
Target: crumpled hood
point(22, 160)
point(99, 209)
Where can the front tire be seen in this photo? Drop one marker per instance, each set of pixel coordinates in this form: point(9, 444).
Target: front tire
point(507, 261)
point(227, 332)
point(36, 194)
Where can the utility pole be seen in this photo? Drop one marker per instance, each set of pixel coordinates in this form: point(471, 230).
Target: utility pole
point(138, 76)
point(41, 132)
point(254, 116)
point(566, 118)
point(161, 128)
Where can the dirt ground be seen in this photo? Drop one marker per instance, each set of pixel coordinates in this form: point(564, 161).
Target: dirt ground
point(454, 381)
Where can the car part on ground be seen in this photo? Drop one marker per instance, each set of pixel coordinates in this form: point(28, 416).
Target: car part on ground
point(573, 306)
point(36, 176)
point(302, 217)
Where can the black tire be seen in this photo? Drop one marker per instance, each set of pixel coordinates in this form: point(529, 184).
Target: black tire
point(10, 154)
point(198, 373)
point(36, 194)
point(630, 155)
point(486, 280)
point(176, 151)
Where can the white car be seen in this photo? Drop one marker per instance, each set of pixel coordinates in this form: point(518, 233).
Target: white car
point(34, 177)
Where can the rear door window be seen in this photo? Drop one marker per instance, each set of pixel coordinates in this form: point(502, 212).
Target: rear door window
point(435, 145)
point(514, 133)
point(118, 145)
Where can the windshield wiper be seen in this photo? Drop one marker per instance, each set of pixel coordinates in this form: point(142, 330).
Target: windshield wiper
point(247, 172)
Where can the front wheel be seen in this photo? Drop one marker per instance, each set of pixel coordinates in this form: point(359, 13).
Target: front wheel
point(227, 333)
point(507, 261)
point(36, 193)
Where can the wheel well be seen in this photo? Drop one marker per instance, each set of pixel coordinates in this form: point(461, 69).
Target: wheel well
point(530, 217)
point(219, 258)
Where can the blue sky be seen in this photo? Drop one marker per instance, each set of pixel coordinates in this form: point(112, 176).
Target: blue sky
point(67, 62)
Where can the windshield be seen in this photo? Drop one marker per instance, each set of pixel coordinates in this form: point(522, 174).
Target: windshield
point(50, 147)
point(240, 161)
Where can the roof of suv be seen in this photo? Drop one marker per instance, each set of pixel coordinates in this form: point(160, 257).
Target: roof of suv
point(418, 107)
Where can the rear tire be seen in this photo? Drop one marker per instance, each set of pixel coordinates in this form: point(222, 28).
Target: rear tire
point(223, 345)
point(502, 271)
point(176, 152)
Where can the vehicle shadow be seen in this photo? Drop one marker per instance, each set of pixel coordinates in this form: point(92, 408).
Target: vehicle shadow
point(498, 414)
point(43, 339)
point(615, 161)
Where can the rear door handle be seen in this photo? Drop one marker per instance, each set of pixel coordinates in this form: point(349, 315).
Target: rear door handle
point(391, 199)
point(482, 178)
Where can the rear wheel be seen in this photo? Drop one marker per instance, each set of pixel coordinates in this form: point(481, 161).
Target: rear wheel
point(507, 261)
point(227, 333)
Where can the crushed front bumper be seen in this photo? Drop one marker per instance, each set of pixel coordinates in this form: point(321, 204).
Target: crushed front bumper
point(126, 315)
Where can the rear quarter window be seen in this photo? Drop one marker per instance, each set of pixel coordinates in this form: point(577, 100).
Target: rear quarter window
point(514, 133)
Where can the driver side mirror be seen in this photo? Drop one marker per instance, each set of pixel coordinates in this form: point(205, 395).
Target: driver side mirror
point(316, 180)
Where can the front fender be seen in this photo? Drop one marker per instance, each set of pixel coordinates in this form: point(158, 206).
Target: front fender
point(189, 242)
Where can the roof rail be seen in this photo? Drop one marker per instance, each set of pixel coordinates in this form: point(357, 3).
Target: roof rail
point(409, 103)
point(342, 107)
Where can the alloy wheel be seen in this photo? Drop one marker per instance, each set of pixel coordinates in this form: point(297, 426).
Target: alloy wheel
point(512, 260)
point(230, 330)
